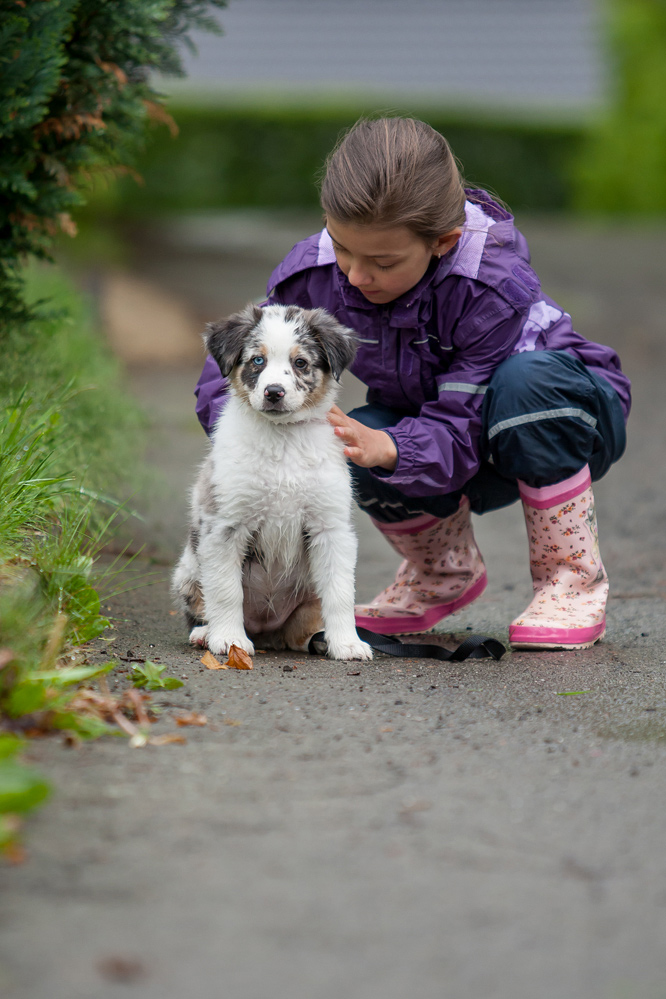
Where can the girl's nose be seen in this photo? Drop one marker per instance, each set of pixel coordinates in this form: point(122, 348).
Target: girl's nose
point(357, 276)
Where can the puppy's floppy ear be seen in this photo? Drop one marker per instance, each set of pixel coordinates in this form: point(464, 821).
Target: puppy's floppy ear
point(225, 339)
point(337, 342)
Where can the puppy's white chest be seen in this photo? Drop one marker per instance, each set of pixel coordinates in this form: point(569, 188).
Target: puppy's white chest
point(280, 473)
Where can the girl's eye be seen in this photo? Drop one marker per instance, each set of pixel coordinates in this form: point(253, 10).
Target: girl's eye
point(386, 267)
point(258, 360)
point(300, 363)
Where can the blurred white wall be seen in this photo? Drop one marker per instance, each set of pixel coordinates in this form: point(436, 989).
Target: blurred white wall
point(543, 55)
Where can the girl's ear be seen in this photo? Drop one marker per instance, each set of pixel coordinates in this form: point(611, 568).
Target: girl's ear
point(446, 242)
point(337, 342)
point(226, 338)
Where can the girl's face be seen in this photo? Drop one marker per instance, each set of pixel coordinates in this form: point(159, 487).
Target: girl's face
point(384, 263)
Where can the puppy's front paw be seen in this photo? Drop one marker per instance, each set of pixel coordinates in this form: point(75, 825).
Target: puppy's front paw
point(219, 643)
point(352, 649)
point(199, 636)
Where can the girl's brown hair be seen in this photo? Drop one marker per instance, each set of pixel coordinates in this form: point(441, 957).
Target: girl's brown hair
point(390, 172)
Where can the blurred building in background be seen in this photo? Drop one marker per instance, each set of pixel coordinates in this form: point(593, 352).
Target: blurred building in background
point(534, 56)
point(556, 105)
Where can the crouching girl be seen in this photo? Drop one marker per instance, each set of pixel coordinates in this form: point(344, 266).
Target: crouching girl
point(480, 392)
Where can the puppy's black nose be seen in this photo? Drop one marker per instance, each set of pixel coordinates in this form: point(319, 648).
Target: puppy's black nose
point(274, 393)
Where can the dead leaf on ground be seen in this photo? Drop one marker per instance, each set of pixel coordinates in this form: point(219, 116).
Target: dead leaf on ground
point(191, 718)
point(14, 853)
point(166, 739)
point(232, 721)
point(117, 968)
point(137, 701)
point(210, 662)
point(239, 658)
point(13, 850)
point(107, 707)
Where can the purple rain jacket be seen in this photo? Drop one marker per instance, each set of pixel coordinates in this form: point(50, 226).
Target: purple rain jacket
point(430, 353)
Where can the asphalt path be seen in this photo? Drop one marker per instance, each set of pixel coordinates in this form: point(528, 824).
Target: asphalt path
point(480, 829)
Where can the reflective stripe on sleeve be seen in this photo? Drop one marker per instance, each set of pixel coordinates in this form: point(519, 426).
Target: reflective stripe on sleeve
point(467, 387)
point(545, 414)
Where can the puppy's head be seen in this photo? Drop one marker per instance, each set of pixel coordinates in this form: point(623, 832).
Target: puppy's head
point(283, 361)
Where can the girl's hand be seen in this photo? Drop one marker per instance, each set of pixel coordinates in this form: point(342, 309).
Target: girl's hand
point(365, 447)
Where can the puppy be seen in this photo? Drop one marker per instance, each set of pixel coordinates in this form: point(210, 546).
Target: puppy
point(271, 549)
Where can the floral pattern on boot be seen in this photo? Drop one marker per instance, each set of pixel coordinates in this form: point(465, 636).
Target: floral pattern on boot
point(569, 579)
point(442, 571)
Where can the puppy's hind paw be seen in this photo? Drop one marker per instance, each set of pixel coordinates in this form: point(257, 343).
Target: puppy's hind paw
point(353, 649)
point(199, 636)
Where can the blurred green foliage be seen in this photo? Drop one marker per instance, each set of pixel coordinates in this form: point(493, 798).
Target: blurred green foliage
point(61, 350)
point(266, 156)
point(622, 166)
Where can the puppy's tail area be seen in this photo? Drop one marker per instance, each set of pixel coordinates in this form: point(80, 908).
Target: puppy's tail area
point(186, 588)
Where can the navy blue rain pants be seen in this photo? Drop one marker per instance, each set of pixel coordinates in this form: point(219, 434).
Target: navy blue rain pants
point(545, 416)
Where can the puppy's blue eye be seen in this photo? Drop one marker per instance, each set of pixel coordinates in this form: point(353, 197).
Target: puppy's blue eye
point(258, 360)
point(300, 363)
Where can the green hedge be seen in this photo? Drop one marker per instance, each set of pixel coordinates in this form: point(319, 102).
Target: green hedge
point(229, 157)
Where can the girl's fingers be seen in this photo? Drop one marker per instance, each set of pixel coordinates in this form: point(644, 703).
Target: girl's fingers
point(346, 434)
point(337, 418)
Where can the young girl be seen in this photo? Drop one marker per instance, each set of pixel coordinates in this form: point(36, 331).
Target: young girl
point(479, 390)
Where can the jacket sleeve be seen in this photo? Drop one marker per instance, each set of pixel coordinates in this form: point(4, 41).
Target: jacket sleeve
point(439, 450)
point(211, 391)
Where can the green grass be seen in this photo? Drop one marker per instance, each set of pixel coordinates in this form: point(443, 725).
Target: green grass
point(69, 438)
point(62, 352)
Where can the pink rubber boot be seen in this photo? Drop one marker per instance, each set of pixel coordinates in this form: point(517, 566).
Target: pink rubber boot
point(570, 582)
point(443, 571)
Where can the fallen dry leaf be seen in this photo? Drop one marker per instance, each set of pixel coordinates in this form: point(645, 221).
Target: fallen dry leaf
point(239, 658)
point(231, 721)
point(117, 968)
point(210, 662)
point(137, 701)
point(166, 739)
point(14, 853)
point(191, 718)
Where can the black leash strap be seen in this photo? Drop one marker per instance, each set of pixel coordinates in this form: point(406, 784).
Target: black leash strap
point(474, 647)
